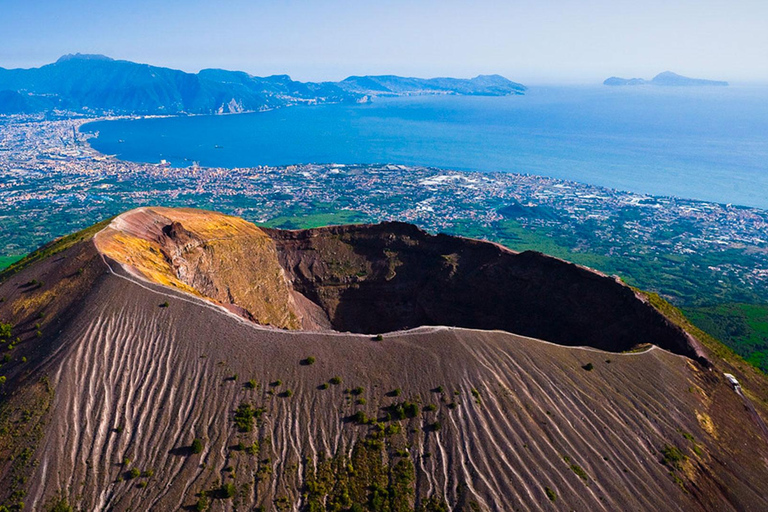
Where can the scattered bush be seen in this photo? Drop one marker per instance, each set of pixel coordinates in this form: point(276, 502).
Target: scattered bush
point(228, 491)
point(335, 380)
point(438, 389)
point(2, 380)
point(5, 330)
point(287, 393)
point(149, 473)
point(134, 473)
point(430, 408)
point(395, 392)
point(357, 391)
point(361, 401)
point(197, 446)
point(378, 337)
point(244, 417)
point(202, 504)
point(550, 494)
point(276, 383)
point(588, 367)
point(309, 361)
point(324, 385)
point(58, 505)
point(164, 304)
point(391, 430)
point(251, 384)
point(436, 427)
point(141, 485)
point(672, 456)
point(577, 469)
point(401, 411)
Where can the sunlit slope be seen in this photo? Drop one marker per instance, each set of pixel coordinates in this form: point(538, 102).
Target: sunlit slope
point(209, 254)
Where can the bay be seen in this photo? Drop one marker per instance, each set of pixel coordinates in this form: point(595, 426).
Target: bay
point(699, 143)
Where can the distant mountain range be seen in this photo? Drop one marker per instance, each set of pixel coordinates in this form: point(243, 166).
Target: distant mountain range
point(98, 84)
point(666, 78)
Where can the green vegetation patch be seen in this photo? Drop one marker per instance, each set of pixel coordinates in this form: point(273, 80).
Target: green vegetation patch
point(672, 456)
point(22, 420)
point(367, 480)
point(57, 504)
point(308, 220)
point(245, 415)
point(402, 410)
point(744, 326)
point(577, 469)
point(197, 446)
point(7, 261)
point(55, 247)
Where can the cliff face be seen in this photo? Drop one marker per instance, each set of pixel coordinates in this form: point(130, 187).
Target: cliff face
point(134, 383)
point(223, 258)
point(394, 276)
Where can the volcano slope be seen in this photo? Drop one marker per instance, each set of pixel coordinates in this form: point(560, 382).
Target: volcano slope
point(182, 359)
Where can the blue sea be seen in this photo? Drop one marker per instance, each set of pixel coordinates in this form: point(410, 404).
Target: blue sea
point(701, 143)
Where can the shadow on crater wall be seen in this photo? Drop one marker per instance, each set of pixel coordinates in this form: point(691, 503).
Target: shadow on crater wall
point(392, 276)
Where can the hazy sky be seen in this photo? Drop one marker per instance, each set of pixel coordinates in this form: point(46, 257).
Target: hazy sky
point(532, 41)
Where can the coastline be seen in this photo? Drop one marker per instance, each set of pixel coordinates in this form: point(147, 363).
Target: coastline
point(536, 134)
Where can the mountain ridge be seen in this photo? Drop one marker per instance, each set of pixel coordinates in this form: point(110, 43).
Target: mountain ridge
point(97, 84)
point(665, 79)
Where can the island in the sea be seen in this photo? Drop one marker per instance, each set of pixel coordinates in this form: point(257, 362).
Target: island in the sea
point(667, 78)
point(95, 84)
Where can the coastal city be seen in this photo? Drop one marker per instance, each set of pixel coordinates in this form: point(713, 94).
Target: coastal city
point(53, 183)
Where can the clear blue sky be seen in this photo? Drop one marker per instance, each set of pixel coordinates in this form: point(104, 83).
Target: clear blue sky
point(533, 41)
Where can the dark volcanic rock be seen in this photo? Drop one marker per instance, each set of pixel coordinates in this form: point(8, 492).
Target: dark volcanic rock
point(394, 276)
